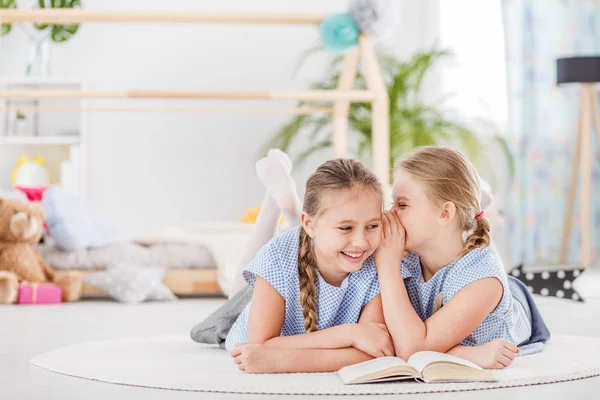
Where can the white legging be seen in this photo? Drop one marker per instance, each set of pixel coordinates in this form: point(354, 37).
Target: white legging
point(265, 228)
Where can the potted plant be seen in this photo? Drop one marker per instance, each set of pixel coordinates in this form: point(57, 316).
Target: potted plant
point(59, 33)
point(41, 35)
point(19, 124)
point(412, 122)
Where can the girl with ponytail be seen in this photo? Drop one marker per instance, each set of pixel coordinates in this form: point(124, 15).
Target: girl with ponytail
point(451, 293)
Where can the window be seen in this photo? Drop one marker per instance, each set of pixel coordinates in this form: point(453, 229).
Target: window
point(476, 76)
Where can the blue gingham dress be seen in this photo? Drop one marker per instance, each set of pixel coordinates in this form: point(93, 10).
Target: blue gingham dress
point(277, 263)
point(509, 321)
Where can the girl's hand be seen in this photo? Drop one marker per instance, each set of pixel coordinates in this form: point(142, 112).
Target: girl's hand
point(256, 358)
point(390, 252)
point(373, 338)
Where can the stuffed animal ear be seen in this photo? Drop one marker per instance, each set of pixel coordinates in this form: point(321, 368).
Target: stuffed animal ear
point(22, 160)
point(37, 209)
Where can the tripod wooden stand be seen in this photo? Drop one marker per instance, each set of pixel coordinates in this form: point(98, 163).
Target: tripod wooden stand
point(582, 160)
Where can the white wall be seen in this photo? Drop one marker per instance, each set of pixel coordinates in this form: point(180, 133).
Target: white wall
point(475, 83)
point(477, 76)
point(147, 171)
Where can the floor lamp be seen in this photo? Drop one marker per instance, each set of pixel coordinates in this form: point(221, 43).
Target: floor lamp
point(584, 70)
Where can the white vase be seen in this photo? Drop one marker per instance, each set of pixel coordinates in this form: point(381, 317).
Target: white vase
point(38, 63)
point(21, 127)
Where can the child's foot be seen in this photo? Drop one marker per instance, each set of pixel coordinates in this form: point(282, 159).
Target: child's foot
point(497, 354)
point(274, 172)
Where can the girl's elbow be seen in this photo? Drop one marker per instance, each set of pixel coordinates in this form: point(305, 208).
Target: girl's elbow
point(405, 349)
point(406, 353)
point(262, 339)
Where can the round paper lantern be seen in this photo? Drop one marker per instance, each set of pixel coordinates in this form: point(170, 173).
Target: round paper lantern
point(339, 32)
point(375, 18)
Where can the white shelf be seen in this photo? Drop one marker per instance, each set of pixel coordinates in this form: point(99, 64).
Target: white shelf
point(39, 140)
point(62, 137)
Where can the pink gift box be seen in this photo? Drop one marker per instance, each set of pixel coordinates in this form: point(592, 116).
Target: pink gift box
point(39, 293)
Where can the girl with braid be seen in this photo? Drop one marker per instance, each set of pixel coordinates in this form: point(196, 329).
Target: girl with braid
point(451, 293)
point(315, 305)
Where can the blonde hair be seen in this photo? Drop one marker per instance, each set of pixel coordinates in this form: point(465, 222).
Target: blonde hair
point(449, 176)
point(333, 175)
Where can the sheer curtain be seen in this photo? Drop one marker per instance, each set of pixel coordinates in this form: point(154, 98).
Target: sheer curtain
point(543, 119)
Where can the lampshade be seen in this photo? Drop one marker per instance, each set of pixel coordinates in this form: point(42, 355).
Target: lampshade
point(578, 69)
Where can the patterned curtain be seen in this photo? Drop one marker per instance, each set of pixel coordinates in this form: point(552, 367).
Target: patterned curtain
point(543, 124)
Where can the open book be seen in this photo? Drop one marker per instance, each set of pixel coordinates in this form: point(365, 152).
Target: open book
point(424, 366)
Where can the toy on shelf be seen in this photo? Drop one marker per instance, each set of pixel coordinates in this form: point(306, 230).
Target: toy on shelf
point(32, 193)
point(30, 172)
point(31, 177)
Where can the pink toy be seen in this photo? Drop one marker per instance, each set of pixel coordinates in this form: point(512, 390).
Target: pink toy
point(33, 193)
point(39, 293)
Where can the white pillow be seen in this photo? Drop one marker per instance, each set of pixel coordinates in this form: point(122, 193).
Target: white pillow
point(130, 283)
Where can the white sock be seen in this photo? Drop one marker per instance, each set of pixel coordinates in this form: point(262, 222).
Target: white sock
point(274, 172)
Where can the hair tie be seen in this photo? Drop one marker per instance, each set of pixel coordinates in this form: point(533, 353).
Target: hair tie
point(477, 218)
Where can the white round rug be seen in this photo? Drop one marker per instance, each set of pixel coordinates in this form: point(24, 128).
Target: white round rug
point(176, 362)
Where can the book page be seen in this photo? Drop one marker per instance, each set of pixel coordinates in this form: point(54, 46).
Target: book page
point(366, 368)
point(420, 360)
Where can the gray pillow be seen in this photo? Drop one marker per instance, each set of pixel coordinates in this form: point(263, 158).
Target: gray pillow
point(214, 329)
point(170, 255)
point(130, 283)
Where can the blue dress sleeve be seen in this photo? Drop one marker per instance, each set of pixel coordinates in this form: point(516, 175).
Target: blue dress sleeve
point(372, 291)
point(266, 265)
point(478, 264)
point(368, 282)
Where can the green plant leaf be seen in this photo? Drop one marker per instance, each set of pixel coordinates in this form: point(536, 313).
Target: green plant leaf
point(41, 27)
point(412, 123)
point(286, 134)
point(312, 149)
point(62, 33)
point(317, 127)
point(59, 33)
point(6, 28)
point(305, 55)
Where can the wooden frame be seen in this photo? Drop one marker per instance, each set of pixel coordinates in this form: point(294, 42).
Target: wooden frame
point(180, 281)
point(78, 15)
point(247, 110)
point(376, 93)
point(313, 95)
point(340, 98)
point(582, 163)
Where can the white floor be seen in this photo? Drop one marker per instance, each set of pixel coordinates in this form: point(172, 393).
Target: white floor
point(28, 330)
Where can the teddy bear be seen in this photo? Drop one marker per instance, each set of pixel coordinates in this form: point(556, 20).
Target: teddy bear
point(21, 228)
